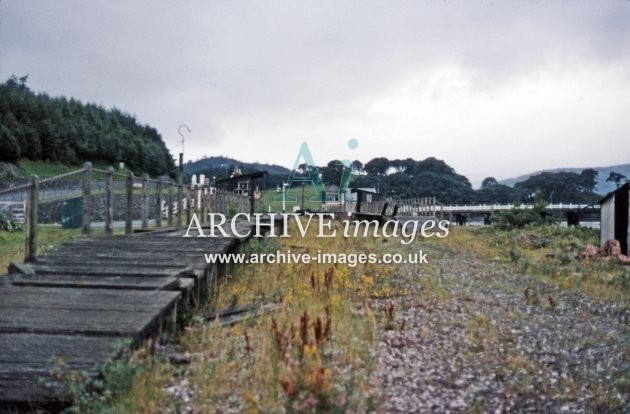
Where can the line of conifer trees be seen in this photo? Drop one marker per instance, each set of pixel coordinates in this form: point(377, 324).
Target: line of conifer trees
point(57, 129)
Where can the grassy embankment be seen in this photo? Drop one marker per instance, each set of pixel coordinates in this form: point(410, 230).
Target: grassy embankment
point(12, 243)
point(41, 169)
point(270, 204)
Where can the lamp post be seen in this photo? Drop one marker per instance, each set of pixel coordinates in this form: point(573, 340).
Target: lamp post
point(180, 175)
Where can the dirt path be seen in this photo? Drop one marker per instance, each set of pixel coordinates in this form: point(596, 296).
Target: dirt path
point(473, 340)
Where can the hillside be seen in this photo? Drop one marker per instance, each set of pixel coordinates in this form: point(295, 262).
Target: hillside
point(430, 177)
point(602, 186)
point(217, 166)
point(38, 127)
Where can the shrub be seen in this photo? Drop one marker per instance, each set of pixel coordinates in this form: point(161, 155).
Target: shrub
point(8, 224)
point(520, 217)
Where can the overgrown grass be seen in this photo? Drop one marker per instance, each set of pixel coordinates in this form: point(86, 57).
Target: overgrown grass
point(269, 203)
point(12, 243)
point(133, 383)
point(550, 253)
point(314, 352)
point(42, 168)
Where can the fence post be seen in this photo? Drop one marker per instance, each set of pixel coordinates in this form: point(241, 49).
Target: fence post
point(188, 205)
point(179, 201)
point(109, 202)
point(30, 249)
point(170, 202)
point(208, 198)
point(158, 190)
point(87, 197)
point(145, 202)
point(129, 210)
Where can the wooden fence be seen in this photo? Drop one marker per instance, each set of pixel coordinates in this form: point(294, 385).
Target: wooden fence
point(171, 198)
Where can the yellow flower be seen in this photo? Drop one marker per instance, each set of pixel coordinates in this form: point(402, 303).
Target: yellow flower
point(310, 350)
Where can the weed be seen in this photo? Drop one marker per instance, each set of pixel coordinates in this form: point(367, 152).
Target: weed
point(132, 383)
point(314, 353)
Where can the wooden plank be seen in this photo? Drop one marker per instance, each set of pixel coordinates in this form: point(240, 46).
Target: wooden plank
point(81, 321)
point(96, 282)
point(110, 271)
point(151, 249)
point(196, 261)
point(106, 260)
point(66, 298)
point(35, 350)
point(26, 362)
point(137, 241)
point(100, 312)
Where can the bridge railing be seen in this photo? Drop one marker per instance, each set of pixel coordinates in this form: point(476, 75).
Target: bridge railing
point(499, 207)
point(92, 199)
point(419, 207)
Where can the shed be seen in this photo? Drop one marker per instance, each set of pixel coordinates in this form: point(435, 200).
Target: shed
point(366, 195)
point(332, 192)
point(615, 217)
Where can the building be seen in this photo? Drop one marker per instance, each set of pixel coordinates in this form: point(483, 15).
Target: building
point(332, 193)
point(615, 218)
point(363, 195)
point(241, 184)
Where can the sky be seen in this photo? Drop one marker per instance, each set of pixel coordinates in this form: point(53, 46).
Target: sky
point(493, 88)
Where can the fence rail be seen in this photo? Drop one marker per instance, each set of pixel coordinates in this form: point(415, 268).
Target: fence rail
point(136, 201)
point(420, 207)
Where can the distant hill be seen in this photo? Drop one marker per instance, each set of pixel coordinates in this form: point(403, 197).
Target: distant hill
point(603, 187)
point(219, 163)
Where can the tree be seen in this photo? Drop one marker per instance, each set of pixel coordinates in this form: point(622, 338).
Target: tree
point(377, 166)
point(357, 166)
point(562, 187)
point(499, 194)
point(8, 143)
point(331, 173)
point(489, 182)
point(66, 131)
point(616, 178)
point(587, 181)
point(398, 165)
point(433, 165)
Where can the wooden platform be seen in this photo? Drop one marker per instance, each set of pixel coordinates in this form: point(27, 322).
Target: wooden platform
point(74, 307)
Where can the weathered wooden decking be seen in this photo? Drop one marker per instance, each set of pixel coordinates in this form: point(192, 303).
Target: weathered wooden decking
point(75, 307)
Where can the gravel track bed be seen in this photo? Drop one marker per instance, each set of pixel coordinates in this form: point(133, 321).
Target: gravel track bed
point(470, 338)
